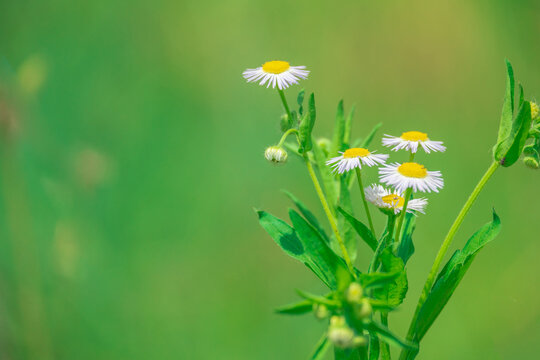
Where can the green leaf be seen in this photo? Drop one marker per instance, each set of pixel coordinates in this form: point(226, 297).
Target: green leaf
point(508, 106)
point(395, 292)
point(307, 214)
point(370, 136)
point(376, 280)
point(518, 135)
point(305, 247)
point(361, 229)
point(346, 354)
point(392, 339)
point(322, 347)
point(323, 261)
point(521, 95)
point(300, 101)
point(345, 227)
point(451, 275)
point(306, 127)
point(317, 299)
point(348, 127)
point(406, 246)
point(297, 308)
point(339, 130)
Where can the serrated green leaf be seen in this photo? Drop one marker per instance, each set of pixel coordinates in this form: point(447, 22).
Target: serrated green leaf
point(322, 347)
point(362, 230)
point(306, 126)
point(324, 262)
point(508, 105)
point(339, 130)
point(395, 292)
point(518, 135)
point(392, 339)
point(367, 140)
point(451, 275)
point(406, 247)
point(307, 214)
point(297, 308)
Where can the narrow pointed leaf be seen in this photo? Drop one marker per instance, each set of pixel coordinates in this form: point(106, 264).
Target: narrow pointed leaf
point(389, 337)
point(406, 246)
point(300, 101)
point(361, 229)
point(371, 135)
point(518, 135)
point(348, 128)
point(297, 308)
point(327, 178)
point(508, 105)
point(376, 280)
point(339, 130)
point(345, 227)
point(306, 126)
point(307, 214)
point(451, 275)
point(322, 347)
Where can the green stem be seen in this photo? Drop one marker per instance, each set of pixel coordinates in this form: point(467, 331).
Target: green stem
point(445, 245)
point(362, 192)
point(403, 213)
point(390, 226)
point(285, 105)
point(284, 137)
point(385, 349)
point(330, 216)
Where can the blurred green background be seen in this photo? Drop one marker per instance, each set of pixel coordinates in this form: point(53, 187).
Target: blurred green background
point(131, 159)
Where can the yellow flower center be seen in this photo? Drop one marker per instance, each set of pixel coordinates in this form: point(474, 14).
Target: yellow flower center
point(275, 67)
point(414, 136)
point(355, 152)
point(394, 200)
point(413, 170)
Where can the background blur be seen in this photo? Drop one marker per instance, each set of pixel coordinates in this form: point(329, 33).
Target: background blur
point(131, 159)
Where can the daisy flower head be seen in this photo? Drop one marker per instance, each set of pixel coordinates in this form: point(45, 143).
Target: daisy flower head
point(276, 73)
point(355, 158)
point(411, 175)
point(410, 140)
point(388, 200)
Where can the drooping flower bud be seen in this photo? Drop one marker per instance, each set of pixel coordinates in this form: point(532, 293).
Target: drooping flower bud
point(276, 155)
point(531, 162)
point(354, 293)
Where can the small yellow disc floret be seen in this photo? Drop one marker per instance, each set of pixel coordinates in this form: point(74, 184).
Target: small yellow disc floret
point(534, 110)
point(414, 136)
point(412, 170)
point(275, 67)
point(355, 152)
point(394, 200)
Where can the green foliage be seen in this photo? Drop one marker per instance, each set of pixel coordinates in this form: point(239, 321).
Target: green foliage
point(321, 349)
point(395, 291)
point(310, 217)
point(365, 143)
point(306, 126)
point(508, 106)
point(300, 101)
point(451, 275)
point(345, 227)
point(385, 334)
point(378, 280)
point(297, 308)
point(406, 247)
point(339, 131)
point(363, 231)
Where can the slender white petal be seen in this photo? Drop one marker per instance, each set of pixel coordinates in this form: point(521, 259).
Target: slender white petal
point(411, 140)
point(287, 77)
point(345, 162)
point(386, 199)
point(428, 182)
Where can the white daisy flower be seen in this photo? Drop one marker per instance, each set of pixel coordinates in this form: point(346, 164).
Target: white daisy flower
point(354, 158)
point(411, 175)
point(276, 72)
point(410, 140)
point(392, 200)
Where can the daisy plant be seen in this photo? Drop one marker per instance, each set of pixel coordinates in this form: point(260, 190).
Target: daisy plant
point(360, 297)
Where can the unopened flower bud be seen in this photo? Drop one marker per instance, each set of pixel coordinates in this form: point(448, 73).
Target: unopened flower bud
point(337, 321)
point(365, 309)
point(320, 311)
point(359, 341)
point(531, 162)
point(354, 293)
point(324, 144)
point(535, 110)
point(342, 337)
point(276, 154)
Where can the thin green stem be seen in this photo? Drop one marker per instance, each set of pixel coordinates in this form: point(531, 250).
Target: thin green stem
point(445, 245)
point(390, 226)
point(330, 216)
point(362, 192)
point(403, 213)
point(284, 137)
point(285, 105)
point(385, 349)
